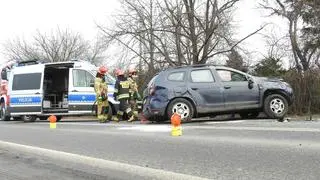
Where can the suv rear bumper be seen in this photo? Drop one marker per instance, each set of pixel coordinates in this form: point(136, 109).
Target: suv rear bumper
point(152, 107)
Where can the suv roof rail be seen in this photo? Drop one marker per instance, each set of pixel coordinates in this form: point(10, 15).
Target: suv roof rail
point(194, 65)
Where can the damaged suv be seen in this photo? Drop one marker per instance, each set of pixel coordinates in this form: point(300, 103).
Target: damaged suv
point(205, 90)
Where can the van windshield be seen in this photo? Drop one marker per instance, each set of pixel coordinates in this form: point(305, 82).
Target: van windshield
point(109, 79)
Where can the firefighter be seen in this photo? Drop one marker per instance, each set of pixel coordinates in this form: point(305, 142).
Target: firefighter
point(134, 93)
point(121, 93)
point(101, 90)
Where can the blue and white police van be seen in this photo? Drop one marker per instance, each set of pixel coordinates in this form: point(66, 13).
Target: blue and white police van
point(60, 89)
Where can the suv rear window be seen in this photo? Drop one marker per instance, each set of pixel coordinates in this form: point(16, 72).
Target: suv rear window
point(26, 81)
point(176, 76)
point(202, 75)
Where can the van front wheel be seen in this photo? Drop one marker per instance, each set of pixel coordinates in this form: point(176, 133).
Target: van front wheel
point(3, 116)
point(28, 118)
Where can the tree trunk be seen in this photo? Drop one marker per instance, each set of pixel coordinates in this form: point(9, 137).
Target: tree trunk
point(189, 4)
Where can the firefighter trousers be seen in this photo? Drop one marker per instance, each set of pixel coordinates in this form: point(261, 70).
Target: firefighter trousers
point(103, 111)
point(124, 109)
point(134, 108)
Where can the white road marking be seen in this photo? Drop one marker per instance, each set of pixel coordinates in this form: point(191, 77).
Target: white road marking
point(148, 128)
point(225, 122)
point(265, 142)
point(85, 124)
point(167, 127)
point(96, 162)
point(259, 128)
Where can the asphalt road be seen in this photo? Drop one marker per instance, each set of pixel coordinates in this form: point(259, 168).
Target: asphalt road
point(255, 149)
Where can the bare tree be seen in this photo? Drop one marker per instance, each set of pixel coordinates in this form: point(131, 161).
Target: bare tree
point(278, 47)
point(235, 61)
point(20, 49)
point(95, 52)
point(59, 45)
point(292, 11)
point(175, 32)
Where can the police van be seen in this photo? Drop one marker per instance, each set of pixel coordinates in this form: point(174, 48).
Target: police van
point(60, 89)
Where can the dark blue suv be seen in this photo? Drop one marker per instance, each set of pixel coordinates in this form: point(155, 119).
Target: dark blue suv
point(203, 90)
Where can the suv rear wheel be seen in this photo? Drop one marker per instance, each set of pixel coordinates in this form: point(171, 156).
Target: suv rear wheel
point(275, 106)
point(182, 107)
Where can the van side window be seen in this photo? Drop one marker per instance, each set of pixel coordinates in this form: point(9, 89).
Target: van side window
point(26, 81)
point(82, 78)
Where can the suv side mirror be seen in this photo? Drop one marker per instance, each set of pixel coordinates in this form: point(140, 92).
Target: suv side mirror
point(250, 83)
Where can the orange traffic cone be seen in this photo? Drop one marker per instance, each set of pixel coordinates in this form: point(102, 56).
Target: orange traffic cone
point(53, 121)
point(176, 129)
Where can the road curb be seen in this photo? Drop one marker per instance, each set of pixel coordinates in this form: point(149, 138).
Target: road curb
point(96, 162)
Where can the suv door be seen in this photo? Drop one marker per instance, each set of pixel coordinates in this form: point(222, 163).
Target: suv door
point(81, 95)
point(237, 94)
point(205, 90)
point(26, 93)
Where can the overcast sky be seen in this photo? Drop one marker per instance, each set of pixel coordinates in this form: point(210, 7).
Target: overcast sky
point(24, 17)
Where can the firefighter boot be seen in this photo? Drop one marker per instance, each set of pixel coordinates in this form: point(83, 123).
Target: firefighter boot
point(120, 115)
point(132, 118)
point(136, 115)
point(106, 117)
point(131, 115)
point(115, 118)
point(101, 118)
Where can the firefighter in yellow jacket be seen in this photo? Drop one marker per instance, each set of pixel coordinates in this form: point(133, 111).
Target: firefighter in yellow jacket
point(134, 93)
point(121, 94)
point(101, 89)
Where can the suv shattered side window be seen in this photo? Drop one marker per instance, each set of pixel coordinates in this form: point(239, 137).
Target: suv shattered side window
point(227, 75)
point(203, 75)
point(176, 76)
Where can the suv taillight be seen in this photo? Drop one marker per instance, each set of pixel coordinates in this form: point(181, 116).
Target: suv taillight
point(152, 90)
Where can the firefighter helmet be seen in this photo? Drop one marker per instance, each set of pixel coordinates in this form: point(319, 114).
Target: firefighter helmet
point(132, 70)
point(119, 72)
point(103, 70)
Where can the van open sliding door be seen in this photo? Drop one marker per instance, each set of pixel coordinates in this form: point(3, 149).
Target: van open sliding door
point(81, 96)
point(25, 91)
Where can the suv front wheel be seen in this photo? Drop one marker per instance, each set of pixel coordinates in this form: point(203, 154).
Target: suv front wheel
point(275, 106)
point(182, 107)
